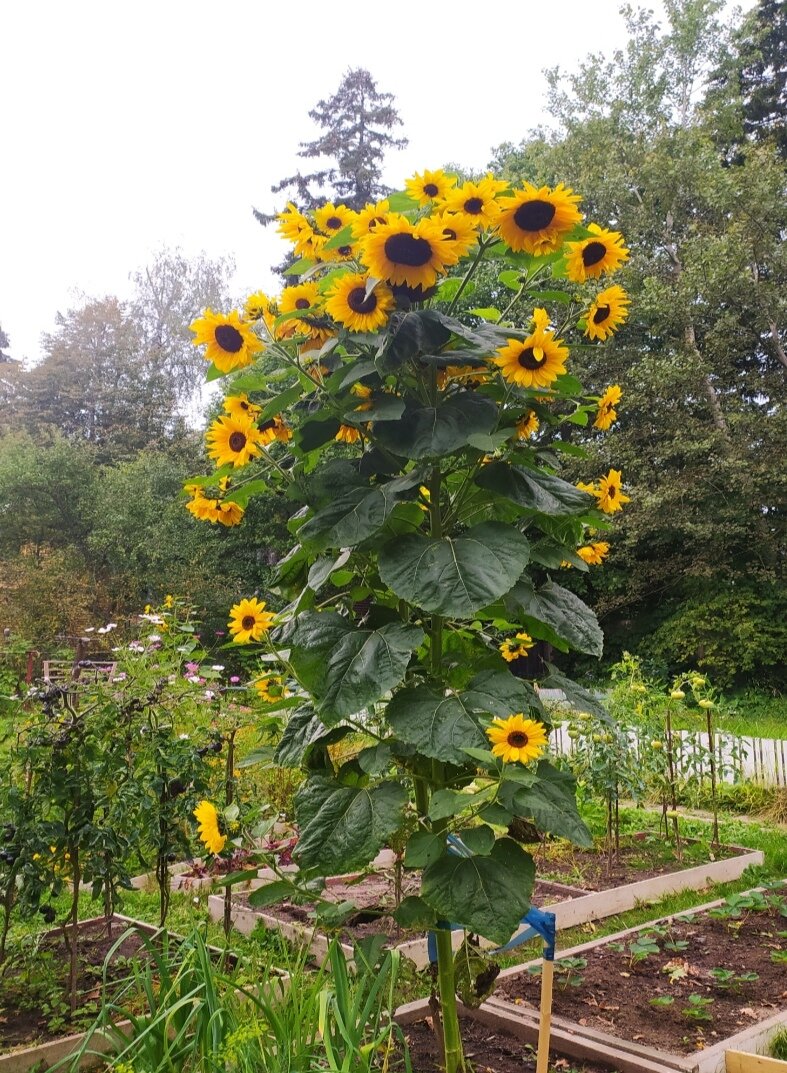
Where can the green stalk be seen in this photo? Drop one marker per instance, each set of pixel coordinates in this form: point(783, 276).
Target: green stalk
point(453, 1056)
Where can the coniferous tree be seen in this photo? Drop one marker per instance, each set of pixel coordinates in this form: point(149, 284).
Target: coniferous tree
point(763, 75)
point(357, 124)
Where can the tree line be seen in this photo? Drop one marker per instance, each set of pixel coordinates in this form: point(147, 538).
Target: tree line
point(682, 138)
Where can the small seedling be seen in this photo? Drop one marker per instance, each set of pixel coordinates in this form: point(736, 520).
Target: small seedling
point(729, 980)
point(697, 1009)
point(642, 948)
point(662, 1001)
point(779, 957)
point(566, 971)
point(676, 945)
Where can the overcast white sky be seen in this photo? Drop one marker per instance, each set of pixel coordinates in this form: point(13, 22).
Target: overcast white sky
point(130, 126)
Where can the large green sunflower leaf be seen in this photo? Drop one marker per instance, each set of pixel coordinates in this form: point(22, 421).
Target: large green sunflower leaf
point(579, 698)
point(431, 432)
point(356, 515)
point(437, 725)
point(364, 665)
point(455, 576)
point(411, 334)
point(383, 408)
point(312, 637)
point(499, 693)
point(556, 615)
point(344, 827)
point(304, 730)
point(535, 489)
point(488, 895)
point(551, 803)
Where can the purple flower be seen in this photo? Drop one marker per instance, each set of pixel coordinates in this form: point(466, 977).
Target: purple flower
point(234, 679)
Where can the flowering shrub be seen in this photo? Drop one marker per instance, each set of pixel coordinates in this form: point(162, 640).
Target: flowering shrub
point(421, 453)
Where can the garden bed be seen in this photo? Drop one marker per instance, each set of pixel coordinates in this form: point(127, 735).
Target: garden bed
point(647, 870)
point(373, 894)
point(31, 1033)
point(612, 996)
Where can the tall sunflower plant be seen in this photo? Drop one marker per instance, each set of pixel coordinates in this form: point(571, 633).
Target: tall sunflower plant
point(421, 448)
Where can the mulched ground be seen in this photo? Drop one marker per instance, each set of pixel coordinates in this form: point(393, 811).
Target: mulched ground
point(488, 1050)
point(616, 991)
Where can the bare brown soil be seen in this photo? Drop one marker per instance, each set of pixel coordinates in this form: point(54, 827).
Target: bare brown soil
point(616, 990)
point(640, 857)
point(488, 1050)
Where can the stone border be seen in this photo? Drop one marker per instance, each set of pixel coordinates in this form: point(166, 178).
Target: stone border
point(580, 1041)
point(44, 1055)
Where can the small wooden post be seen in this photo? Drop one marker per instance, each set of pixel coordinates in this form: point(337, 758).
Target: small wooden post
point(545, 1014)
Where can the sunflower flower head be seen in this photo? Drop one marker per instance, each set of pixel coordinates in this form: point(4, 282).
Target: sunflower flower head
point(360, 304)
point(607, 312)
point(429, 187)
point(249, 621)
point(233, 442)
point(240, 408)
point(476, 202)
point(527, 426)
point(370, 217)
point(595, 553)
point(272, 689)
point(607, 414)
point(229, 341)
point(590, 258)
point(609, 495)
point(516, 647)
point(535, 362)
point(401, 252)
point(347, 434)
point(536, 220)
point(207, 819)
point(331, 219)
point(516, 739)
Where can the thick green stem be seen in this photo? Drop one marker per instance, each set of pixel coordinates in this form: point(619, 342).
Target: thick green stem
point(452, 1039)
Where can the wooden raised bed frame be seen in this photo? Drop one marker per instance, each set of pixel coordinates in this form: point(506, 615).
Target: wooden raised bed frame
point(44, 1055)
point(592, 1045)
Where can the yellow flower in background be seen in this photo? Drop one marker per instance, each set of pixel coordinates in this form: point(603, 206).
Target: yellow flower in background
point(460, 233)
point(330, 218)
point(349, 252)
point(430, 186)
point(272, 689)
point(476, 202)
point(527, 426)
point(609, 494)
point(229, 341)
point(229, 514)
point(275, 429)
point(592, 257)
point(240, 408)
point(292, 223)
point(607, 413)
point(249, 621)
point(369, 217)
point(347, 434)
point(351, 305)
point(208, 827)
point(301, 296)
point(310, 244)
point(470, 375)
point(259, 306)
point(607, 312)
point(536, 220)
point(203, 508)
point(232, 442)
point(516, 739)
point(361, 391)
point(536, 362)
point(594, 554)
point(516, 647)
point(406, 253)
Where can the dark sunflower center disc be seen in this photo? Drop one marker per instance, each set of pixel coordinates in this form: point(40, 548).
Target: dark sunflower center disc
point(474, 205)
point(244, 406)
point(345, 251)
point(302, 303)
point(361, 302)
point(248, 622)
point(601, 314)
point(408, 250)
point(612, 491)
point(528, 360)
point(333, 222)
point(593, 253)
point(517, 739)
point(237, 441)
point(534, 215)
point(449, 233)
point(431, 190)
point(267, 425)
point(228, 338)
